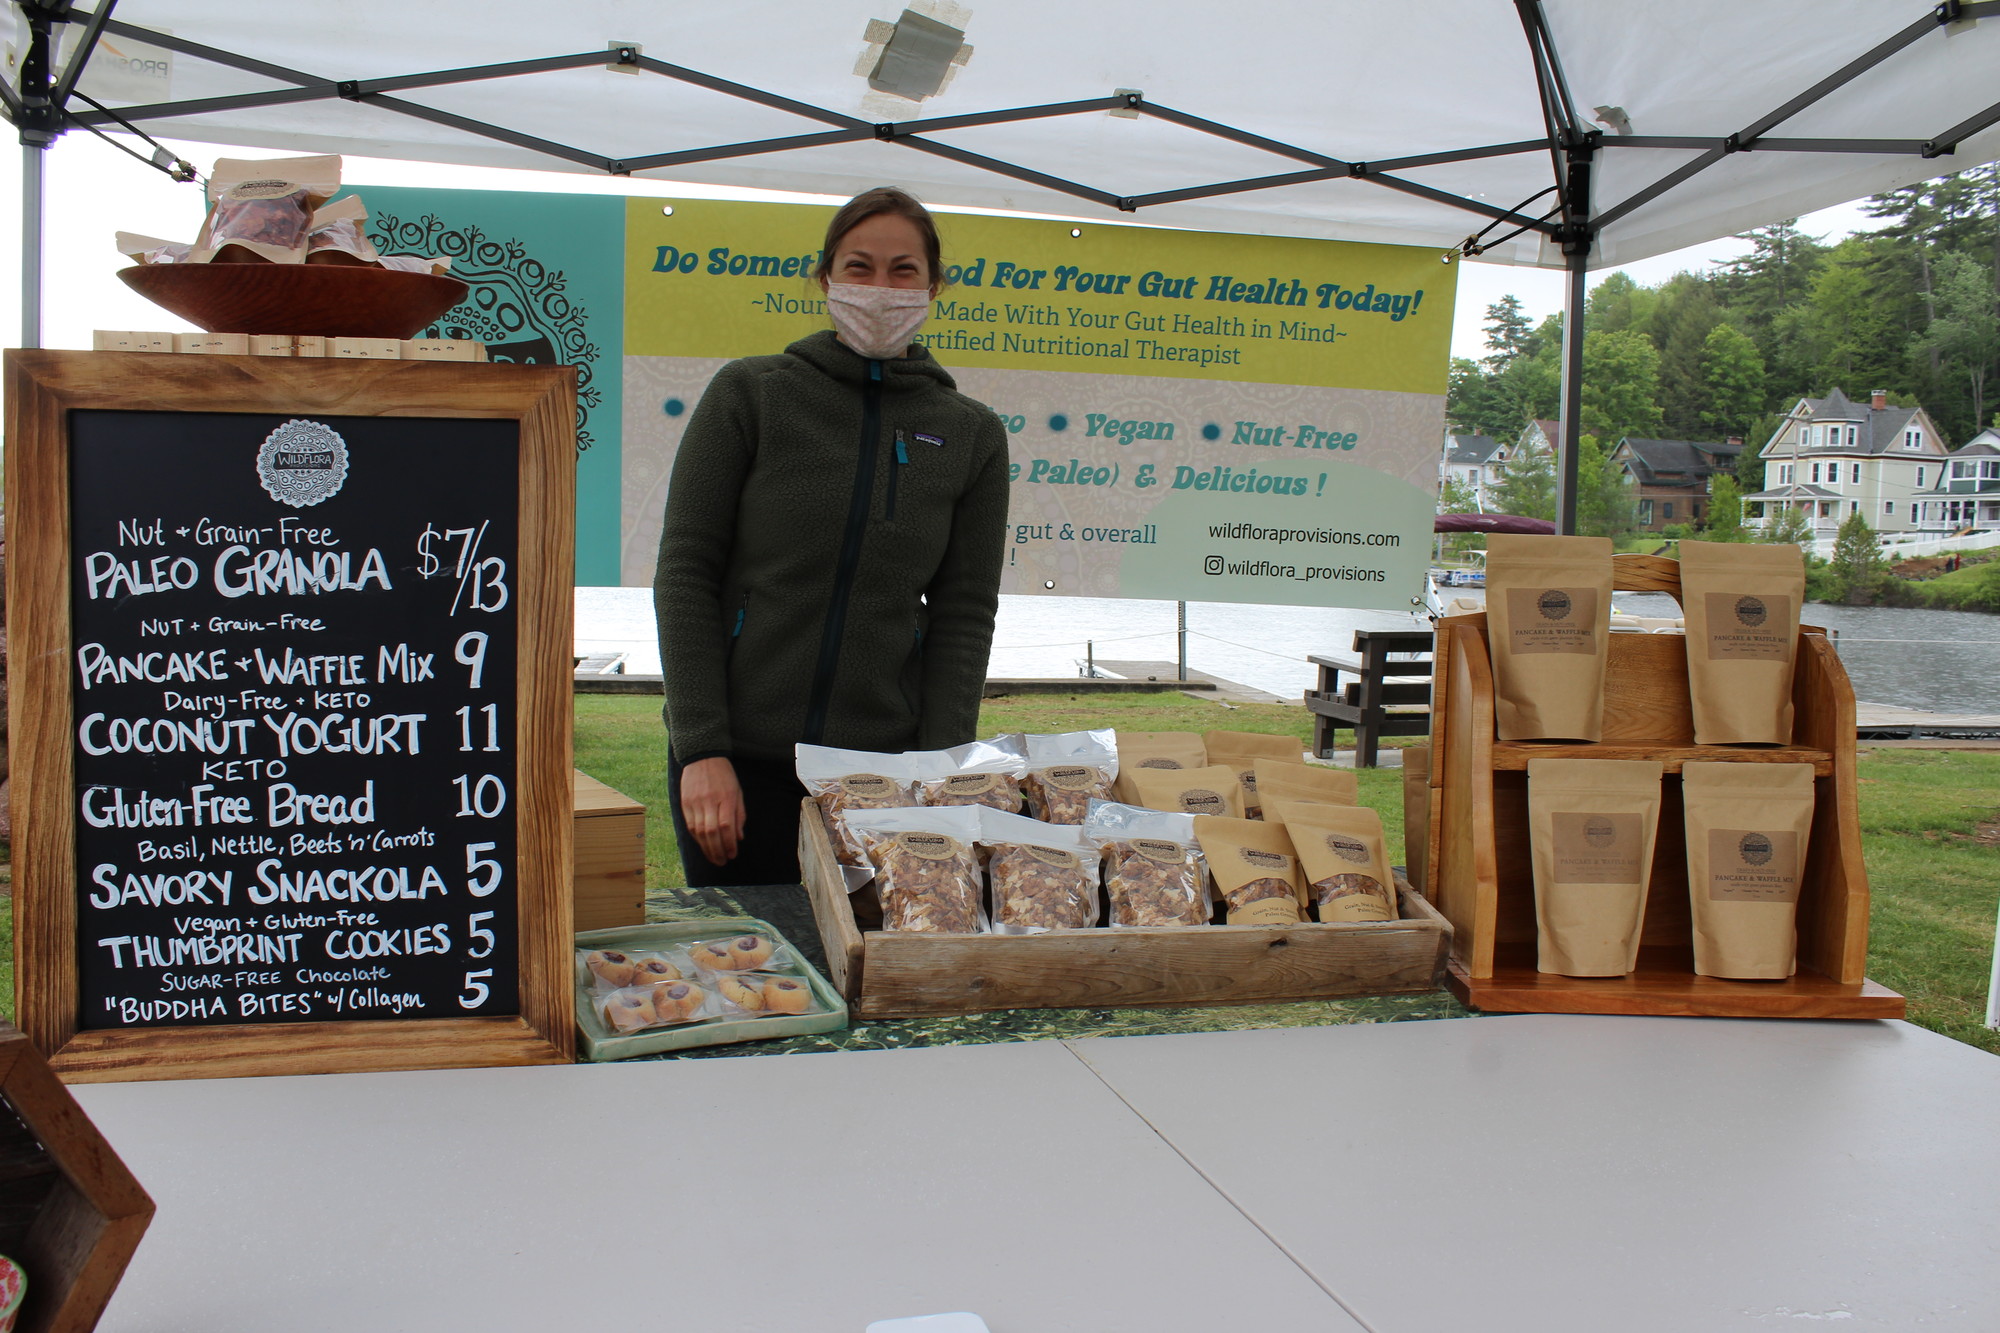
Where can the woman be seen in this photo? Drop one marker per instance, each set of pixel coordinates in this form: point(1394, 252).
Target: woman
point(830, 564)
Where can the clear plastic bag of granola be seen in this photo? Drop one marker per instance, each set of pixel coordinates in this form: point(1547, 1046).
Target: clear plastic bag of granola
point(926, 866)
point(1154, 875)
point(151, 249)
point(339, 235)
point(983, 773)
point(262, 210)
point(1041, 876)
point(1067, 771)
point(842, 780)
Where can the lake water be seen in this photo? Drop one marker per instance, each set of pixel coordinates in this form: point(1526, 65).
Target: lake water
point(1947, 661)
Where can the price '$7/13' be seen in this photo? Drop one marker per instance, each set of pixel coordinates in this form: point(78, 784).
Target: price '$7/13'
point(482, 583)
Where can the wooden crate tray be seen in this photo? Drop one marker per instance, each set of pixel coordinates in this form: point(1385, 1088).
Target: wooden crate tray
point(1480, 861)
point(897, 974)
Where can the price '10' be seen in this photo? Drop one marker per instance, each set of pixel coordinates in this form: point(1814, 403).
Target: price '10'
point(482, 797)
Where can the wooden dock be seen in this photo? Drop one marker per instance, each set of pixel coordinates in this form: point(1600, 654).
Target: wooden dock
point(1889, 720)
point(1167, 676)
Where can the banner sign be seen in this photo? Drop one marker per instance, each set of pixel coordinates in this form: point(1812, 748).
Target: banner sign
point(1192, 416)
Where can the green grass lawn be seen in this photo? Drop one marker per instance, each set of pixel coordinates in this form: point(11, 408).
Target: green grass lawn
point(1930, 828)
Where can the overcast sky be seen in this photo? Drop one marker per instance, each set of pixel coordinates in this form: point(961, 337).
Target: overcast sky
point(95, 191)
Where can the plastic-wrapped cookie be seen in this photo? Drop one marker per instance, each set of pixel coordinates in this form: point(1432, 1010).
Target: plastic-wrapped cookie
point(783, 995)
point(651, 971)
point(714, 956)
point(611, 967)
point(629, 1010)
point(745, 993)
point(749, 952)
point(677, 1001)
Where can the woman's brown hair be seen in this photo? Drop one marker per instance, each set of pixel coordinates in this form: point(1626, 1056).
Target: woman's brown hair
point(871, 203)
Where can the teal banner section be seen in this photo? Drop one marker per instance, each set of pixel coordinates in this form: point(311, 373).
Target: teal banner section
point(547, 289)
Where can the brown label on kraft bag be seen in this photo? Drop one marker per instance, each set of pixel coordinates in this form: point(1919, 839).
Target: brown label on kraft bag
point(1598, 849)
point(971, 784)
point(1202, 801)
point(1264, 860)
point(1753, 627)
point(1161, 763)
point(1348, 848)
point(1750, 865)
point(1552, 620)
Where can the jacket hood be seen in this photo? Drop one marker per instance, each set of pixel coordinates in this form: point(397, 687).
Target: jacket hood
point(826, 353)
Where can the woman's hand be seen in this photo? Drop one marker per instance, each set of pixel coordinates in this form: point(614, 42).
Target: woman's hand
point(712, 807)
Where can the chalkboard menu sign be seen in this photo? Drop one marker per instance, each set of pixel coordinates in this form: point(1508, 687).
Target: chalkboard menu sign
point(301, 650)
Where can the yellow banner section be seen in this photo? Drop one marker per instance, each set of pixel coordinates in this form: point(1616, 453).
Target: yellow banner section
point(713, 278)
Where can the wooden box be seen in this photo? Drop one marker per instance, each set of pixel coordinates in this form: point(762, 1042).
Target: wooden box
point(896, 974)
point(1481, 873)
point(610, 856)
point(70, 1213)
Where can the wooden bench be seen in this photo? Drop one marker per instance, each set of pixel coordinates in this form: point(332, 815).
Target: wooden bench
point(1384, 698)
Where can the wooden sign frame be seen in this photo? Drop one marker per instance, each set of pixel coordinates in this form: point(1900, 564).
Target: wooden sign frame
point(43, 388)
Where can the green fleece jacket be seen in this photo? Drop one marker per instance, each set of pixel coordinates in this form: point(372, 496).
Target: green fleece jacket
point(830, 564)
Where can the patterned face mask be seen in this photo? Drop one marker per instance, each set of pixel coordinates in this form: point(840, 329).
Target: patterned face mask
point(877, 322)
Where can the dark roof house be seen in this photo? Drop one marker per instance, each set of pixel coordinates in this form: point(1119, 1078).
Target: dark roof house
point(1670, 477)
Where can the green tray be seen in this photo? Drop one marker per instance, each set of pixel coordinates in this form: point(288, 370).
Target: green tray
point(600, 1043)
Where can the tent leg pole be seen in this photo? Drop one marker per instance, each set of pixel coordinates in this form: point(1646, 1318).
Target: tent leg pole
point(32, 160)
point(1572, 393)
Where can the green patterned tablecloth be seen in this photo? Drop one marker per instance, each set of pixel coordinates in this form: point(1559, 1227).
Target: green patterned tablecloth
point(786, 907)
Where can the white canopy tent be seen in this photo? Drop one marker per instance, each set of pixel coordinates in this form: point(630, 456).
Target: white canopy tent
point(1560, 133)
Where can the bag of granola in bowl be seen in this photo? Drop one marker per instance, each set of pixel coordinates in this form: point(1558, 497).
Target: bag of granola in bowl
point(1154, 875)
point(843, 780)
point(1343, 857)
point(1241, 750)
point(1255, 869)
point(982, 773)
point(261, 211)
point(1195, 791)
point(339, 235)
point(926, 869)
point(1042, 876)
point(1169, 750)
point(1069, 770)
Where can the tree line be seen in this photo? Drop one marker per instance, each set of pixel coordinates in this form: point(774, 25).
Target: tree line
point(1911, 307)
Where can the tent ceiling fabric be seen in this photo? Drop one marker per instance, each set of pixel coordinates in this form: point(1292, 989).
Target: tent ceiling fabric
point(1350, 79)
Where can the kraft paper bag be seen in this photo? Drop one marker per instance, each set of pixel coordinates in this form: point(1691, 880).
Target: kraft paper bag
point(1548, 619)
point(1747, 830)
point(1241, 750)
point(1169, 750)
point(1343, 858)
point(1255, 869)
point(1742, 610)
point(1280, 781)
point(1592, 823)
point(1194, 791)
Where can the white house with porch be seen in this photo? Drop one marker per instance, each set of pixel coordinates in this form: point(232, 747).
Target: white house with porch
point(1967, 496)
point(1832, 457)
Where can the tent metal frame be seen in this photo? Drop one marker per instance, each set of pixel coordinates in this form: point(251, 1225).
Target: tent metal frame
point(39, 109)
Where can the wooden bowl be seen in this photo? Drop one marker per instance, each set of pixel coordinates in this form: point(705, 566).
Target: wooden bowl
point(330, 300)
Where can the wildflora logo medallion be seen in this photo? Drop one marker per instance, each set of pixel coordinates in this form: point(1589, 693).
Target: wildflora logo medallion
point(1554, 604)
point(302, 463)
point(1751, 611)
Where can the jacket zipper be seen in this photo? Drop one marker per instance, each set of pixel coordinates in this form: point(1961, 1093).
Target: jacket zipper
point(858, 505)
point(902, 459)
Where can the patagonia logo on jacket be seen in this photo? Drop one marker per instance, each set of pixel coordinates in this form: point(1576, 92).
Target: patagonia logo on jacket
point(922, 438)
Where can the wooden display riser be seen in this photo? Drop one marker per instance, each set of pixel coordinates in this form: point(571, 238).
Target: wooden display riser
point(1478, 855)
point(1665, 983)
